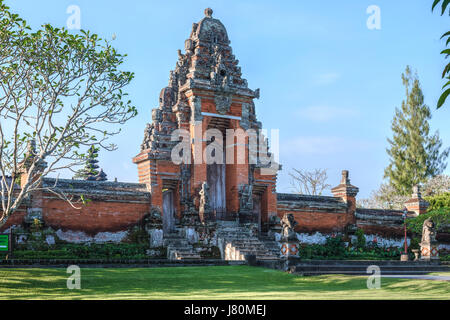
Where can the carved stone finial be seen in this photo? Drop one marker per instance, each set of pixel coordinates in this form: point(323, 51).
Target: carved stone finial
point(208, 12)
point(416, 192)
point(345, 179)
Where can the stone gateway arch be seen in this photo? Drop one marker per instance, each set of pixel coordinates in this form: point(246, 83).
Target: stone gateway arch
point(206, 91)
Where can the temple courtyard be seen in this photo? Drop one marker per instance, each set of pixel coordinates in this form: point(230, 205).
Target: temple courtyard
point(211, 282)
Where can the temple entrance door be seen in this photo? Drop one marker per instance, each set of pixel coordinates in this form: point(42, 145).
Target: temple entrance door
point(216, 183)
point(216, 173)
point(168, 212)
point(257, 210)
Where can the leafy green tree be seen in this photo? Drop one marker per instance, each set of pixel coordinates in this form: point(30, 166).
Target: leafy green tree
point(414, 153)
point(446, 52)
point(59, 92)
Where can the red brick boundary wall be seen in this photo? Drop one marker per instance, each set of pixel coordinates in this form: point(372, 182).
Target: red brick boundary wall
point(108, 206)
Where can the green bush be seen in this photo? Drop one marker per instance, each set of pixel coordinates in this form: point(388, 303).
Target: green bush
point(439, 201)
point(360, 238)
point(87, 251)
point(440, 217)
point(335, 249)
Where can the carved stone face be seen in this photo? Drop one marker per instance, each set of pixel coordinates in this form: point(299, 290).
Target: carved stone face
point(223, 103)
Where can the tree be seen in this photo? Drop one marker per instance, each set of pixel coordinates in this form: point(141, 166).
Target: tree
point(59, 92)
point(385, 197)
point(414, 154)
point(90, 172)
point(446, 52)
point(309, 182)
point(437, 185)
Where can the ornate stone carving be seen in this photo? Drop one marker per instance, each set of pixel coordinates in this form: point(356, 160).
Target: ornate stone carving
point(147, 137)
point(428, 232)
point(246, 199)
point(288, 224)
point(196, 109)
point(223, 103)
point(204, 208)
point(429, 246)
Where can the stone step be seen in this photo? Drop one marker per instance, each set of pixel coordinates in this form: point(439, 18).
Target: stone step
point(300, 261)
point(364, 268)
point(257, 252)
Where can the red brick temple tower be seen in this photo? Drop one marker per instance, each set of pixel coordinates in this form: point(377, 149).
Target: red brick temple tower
point(206, 91)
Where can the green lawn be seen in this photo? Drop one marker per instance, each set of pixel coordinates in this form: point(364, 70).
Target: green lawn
point(229, 282)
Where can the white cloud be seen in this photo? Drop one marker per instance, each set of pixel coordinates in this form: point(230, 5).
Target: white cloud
point(326, 113)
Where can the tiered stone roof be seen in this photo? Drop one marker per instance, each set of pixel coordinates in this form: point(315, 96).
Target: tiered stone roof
point(207, 64)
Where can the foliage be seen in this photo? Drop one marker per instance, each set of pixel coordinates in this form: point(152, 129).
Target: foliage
point(360, 239)
point(439, 201)
point(84, 251)
point(415, 243)
point(414, 154)
point(309, 182)
point(336, 249)
point(436, 185)
point(440, 217)
point(386, 197)
point(138, 235)
point(446, 52)
point(59, 92)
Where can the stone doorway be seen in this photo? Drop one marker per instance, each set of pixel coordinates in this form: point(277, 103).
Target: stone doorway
point(168, 211)
point(216, 182)
point(257, 210)
point(216, 174)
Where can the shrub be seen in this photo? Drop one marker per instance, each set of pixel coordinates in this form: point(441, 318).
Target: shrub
point(360, 238)
point(440, 217)
point(87, 251)
point(439, 201)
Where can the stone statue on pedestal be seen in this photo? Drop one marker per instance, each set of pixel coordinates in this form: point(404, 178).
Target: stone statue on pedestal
point(429, 245)
point(428, 232)
point(289, 241)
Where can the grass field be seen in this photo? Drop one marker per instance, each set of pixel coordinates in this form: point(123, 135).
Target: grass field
point(229, 282)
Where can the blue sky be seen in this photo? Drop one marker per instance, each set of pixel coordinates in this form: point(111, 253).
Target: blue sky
point(327, 82)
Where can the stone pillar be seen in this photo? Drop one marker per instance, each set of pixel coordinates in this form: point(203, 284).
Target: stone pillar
point(429, 251)
point(429, 245)
point(289, 249)
point(347, 192)
point(289, 243)
point(416, 203)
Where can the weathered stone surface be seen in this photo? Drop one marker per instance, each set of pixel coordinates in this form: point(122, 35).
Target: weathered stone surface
point(81, 237)
point(191, 235)
point(156, 238)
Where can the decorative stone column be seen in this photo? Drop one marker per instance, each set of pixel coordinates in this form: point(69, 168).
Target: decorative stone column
point(289, 242)
point(347, 192)
point(429, 245)
point(416, 203)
